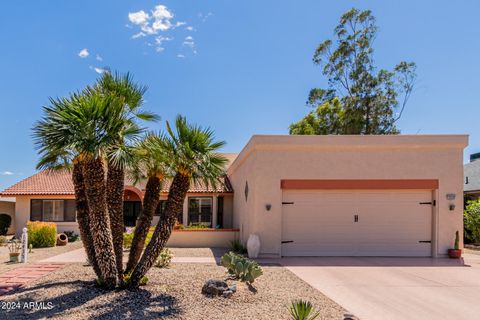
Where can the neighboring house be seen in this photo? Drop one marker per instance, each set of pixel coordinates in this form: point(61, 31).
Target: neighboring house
point(471, 172)
point(7, 205)
point(395, 195)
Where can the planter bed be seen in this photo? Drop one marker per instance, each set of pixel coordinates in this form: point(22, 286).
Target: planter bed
point(173, 293)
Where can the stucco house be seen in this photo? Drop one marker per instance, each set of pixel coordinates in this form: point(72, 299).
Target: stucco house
point(390, 195)
point(7, 206)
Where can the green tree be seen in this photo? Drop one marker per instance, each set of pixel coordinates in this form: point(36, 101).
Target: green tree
point(359, 99)
point(471, 220)
point(192, 156)
point(124, 90)
point(90, 131)
point(149, 164)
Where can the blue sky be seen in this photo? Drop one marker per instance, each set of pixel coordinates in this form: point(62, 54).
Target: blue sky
point(241, 67)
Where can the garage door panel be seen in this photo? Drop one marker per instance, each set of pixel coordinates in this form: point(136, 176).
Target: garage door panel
point(389, 223)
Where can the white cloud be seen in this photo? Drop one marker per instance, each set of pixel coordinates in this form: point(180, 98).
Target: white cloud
point(180, 56)
point(139, 17)
point(83, 53)
point(160, 20)
point(189, 42)
point(6, 173)
point(204, 17)
point(99, 58)
point(189, 28)
point(180, 23)
point(138, 35)
point(97, 69)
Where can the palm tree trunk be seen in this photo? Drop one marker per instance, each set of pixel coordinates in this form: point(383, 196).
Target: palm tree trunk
point(150, 203)
point(83, 218)
point(115, 190)
point(94, 173)
point(163, 230)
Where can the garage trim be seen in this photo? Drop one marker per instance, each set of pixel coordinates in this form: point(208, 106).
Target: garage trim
point(359, 184)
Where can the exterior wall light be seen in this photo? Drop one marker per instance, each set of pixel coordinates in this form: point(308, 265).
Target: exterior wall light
point(268, 206)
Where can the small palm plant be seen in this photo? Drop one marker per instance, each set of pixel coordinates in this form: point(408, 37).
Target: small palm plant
point(302, 310)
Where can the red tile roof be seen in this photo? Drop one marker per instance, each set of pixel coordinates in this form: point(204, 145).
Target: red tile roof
point(60, 183)
point(43, 183)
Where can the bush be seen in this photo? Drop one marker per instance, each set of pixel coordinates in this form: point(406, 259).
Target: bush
point(5, 221)
point(237, 247)
point(302, 310)
point(72, 236)
point(471, 220)
point(240, 267)
point(3, 240)
point(164, 258)
point(128, 238)
point(42, 234)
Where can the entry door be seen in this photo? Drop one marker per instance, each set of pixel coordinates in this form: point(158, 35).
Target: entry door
point(131, 210)
point(356, 223)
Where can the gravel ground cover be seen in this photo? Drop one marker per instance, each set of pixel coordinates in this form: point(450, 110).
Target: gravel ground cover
point(173, 293)
point(37, 255)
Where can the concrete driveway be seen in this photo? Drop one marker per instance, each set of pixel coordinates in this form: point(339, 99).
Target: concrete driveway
point(396, 288)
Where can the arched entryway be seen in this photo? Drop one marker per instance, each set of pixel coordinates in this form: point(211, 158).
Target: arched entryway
point(132, 205)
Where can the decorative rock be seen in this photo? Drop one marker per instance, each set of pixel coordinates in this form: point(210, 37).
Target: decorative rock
point(227, 293)
point(214, 287)
point(253, 246)
point(233, 288)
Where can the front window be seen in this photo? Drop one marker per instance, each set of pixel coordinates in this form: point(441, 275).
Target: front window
point(200, 211)
point(55, 210)
point(161, 208)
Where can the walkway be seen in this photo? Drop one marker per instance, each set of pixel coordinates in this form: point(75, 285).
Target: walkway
point(79, 256)
point(15, 278)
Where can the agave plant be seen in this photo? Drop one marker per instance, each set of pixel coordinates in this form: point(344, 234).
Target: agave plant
point(302, 310)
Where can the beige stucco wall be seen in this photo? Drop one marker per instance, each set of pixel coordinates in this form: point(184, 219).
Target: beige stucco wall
point(22, 214)
point(268, 159)
point(9, 208)
point(202, 239)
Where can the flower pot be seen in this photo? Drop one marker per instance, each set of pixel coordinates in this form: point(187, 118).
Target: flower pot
point(455, 253)
point(14, 256)
point(62, 239)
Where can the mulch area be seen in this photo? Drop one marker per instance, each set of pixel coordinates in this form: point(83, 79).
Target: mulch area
point(172, 293)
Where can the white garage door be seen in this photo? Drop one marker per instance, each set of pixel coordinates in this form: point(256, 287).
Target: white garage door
point(356, 223)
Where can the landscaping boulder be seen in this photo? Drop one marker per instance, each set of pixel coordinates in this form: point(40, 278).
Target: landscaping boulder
point(214, 287)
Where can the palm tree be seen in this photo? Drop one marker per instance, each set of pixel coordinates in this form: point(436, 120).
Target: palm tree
point(76, 129)
point(149, 164)
point(129, 94)
point(192, 154)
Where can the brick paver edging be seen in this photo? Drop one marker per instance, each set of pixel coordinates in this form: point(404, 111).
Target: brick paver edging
point(15, 278)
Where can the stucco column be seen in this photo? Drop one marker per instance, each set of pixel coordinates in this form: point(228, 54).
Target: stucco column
point(185, 211)
point(214, 211)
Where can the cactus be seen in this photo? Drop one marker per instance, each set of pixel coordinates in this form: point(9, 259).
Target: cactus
point(240, 267)
point(457, 241)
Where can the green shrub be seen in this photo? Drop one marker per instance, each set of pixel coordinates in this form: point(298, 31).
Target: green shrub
point(128, 238)
point(471, 220)
point(302, 310)
point(5, 221)
point(240, 267)
point(72, 236)
point(127, 277)
point(237, 247)
point(3, 240)
point(42, 234)
point(164, 258)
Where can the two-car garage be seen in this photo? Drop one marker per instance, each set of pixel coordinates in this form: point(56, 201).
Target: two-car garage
point(356, 223)
point(391, 195)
